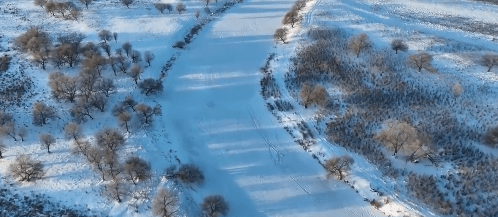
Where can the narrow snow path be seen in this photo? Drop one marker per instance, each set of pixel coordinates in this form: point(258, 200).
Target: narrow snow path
point(214, 111)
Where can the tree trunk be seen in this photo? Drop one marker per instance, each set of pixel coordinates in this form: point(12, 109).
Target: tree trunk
point(87, 114)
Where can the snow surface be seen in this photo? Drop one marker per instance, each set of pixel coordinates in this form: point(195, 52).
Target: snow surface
point(213, 113)
point(213, 109)
point(213, 116)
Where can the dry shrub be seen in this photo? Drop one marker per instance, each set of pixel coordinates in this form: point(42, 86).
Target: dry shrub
point(491, 137)
point(457, 89)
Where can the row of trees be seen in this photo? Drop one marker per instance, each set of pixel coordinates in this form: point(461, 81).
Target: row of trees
point(166, 204)
point(291, 18)
point(104, 158)
point(161, 7)
point(69, 51)
point(67, 10)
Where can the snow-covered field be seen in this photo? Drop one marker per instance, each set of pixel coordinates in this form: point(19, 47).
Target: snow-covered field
point(213, 114)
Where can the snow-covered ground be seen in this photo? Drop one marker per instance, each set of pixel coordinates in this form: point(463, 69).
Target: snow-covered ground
point(213, 116)
point(213, 113)
point(452, 31)
point(213, 110)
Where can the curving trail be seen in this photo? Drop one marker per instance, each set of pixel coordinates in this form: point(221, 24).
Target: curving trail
point(213, 110)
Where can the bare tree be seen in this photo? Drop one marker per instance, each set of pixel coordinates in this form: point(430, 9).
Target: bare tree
point(127, 48)
point(26, 169)
point(292, 17)
point(87, 78)
point(280, 35)
point(190, 174)
point(491, 137)
point(89, 50)
point(62, 86)
point(197, 14)
point(33, 40)
point(64, 7)
point(489, 60)
point(338, 166)
point(107, 50)
point(86, 2)
point(299, 5)
point(121, 107)
point(146, 113)
point(313, 94)
point(137, 170)
point(57, 58)
point(42, 113)
point(116, 190)
point(115, 36)
point(75, 13)
point(96, 157)
point(114, 169)
point(207, 2)
point(121, 64)
point(214, 206)
point(3, 148)
point(397, 135)
point(422, 148)
point(399, 44)
point(5, 118)
point(95, 61)
point(66, 53)
point(360, 43)
point(22, 132)
point(149, 56)
point(81, 110)
point(105, 86)
point(135, 56)
point(150, 86)
point(118, 109)
point(421, 61)
point(169, 7)
point(127, 3)
point(160, 6)
point(135, 73)
point(8, 129)
point(124, 119)
point(165, 203)
point(42, 57)
point(47, 140)
point(51, 7)
point(40, 3)
point(73, 131)
point(109, 139)
point(180, 8)
point(105, 35)
point(98, 101)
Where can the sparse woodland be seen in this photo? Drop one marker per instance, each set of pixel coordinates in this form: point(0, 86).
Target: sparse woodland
point(82, 86)
point(385, 113)
point(391, 116)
